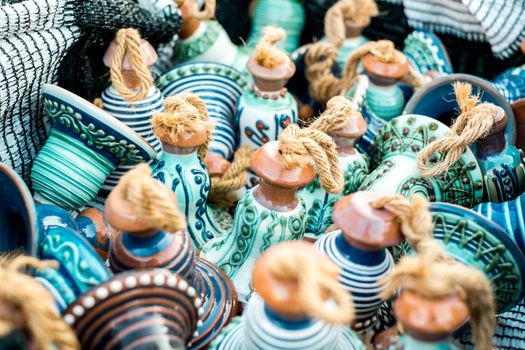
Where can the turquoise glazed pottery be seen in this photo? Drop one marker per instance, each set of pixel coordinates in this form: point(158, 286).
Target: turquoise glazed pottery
point(354, 166)
point(436, 100)
point(220, 87)
point(359, 249)
point(286, 14)
point(85, 145)
point(393, 156)
point(18, 217)
point(265, 110)
point(509, 215)
point(267, 214)
point(426, 53)
point(276, 317)
point(147, 309)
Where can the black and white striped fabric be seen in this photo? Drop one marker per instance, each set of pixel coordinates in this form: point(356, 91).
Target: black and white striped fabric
point(501, 23)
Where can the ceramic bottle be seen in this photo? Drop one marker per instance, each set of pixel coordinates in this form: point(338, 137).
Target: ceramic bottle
point(359, 248)
point(276, 316)
point(269, 213)
point(142, 245)
point(85, 145)
point(354, 166)
point(502, 164)
point(204, 40)
point(286, 14)
point(394, 158)
point(130, 98)
point(265, 110)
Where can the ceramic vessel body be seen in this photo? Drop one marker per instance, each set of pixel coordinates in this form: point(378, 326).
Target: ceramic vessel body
point(261, 116)
point(137, 116)
point(348, 47)
point(210, 43)
point(287, 14)
point(361, 272)
point(426, 53)
point(409, 343)
point(386, 102)
point(187, 176)
point(255, 229)
point(319, 203)
point(394, 157)
point(261, 328)
point(220, 87)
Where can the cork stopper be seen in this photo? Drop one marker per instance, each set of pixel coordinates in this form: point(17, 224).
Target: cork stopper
point(364, 227)
point(386, 70)
point(282, 295)
point(271, 79)
point(267, 163)
point(428, 319)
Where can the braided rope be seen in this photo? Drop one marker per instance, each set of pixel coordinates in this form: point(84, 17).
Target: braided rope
point(266, 54)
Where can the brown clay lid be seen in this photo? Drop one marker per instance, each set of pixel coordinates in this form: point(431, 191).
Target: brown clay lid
point(185, 140)
point(386, 70)
point(267, 163)
point(147, 51)
point(121, 214)
point(354, 129)
point(501, 122)
point(189, 23)
point(366, 227)
point(430, 319)
point(216, 165)
point(271, 79)
point(281, 296)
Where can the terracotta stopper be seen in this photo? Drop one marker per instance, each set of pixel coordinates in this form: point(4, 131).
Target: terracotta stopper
point(494, 141)
point(216, 165)
point(392, 71)
point(363, 226)
point(355, 28)
point(518, 108)
point(271, 79)
point(190, 24)
point(282, 296)
point(267, 163)
point(346, 138)
point(428, 319)
point(131, 79)
point(103, 230)
point(186, 140)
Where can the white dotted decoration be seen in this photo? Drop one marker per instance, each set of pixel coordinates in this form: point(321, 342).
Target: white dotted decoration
point(183, 285)
point(70, 319)
point(201, 312)
point(130, 282)
point(115, 286)
point(198, 303)
point(78, 310)
point(102, 293)
point(172, 281)
point(88, 302)
point(159, 280)
point(199, 323)
point(145, 280)
point(191, 292)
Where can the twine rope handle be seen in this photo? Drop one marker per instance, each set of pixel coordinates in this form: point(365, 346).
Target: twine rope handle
point(430, 276)
point(319, 60)
point(358, 10)
point(128, 40)
point(266, 54)
point(36, 305)
point(335, 117)
point(184, 113)
point(315, 284)
point(152, 205)
point(474, 122)
point(302, 147)
point(236, 176)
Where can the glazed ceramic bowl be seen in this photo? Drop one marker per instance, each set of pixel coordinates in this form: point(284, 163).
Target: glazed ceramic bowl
point(18, 218)
point(85, 144)
point(436, 100)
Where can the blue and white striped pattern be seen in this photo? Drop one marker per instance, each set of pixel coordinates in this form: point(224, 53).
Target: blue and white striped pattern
point(360, 273)
point(261, 329)
point(136, 115)
point(220, 87)
point(509, 215)
point(511, 83)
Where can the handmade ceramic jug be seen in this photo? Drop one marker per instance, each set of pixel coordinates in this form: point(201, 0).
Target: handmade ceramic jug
point(286, 14)
point(271, 212)
point(345, 126)
point(265, 110)
point(426, 53)
point(289, 310)
point(94, 227)
point(132, 97)
point(27, 311)
point(157, 238)
point(204, 40)
point(219, 87)
point(185, 131)
point(85, 145)
point(152, 309)
point(344, 23)
point(359, 249)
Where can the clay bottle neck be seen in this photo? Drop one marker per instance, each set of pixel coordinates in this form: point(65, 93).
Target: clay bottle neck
point(175, 150)
point(345, 146)
point(380, 81)
point(412, 343)
point(275, 197)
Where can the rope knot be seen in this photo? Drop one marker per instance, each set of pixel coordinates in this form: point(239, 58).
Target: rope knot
point(359, 11)
point(319, 60)
point(266, 54)
point(335, 117)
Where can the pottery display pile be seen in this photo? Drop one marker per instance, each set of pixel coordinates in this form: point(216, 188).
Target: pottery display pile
point(345, 194)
